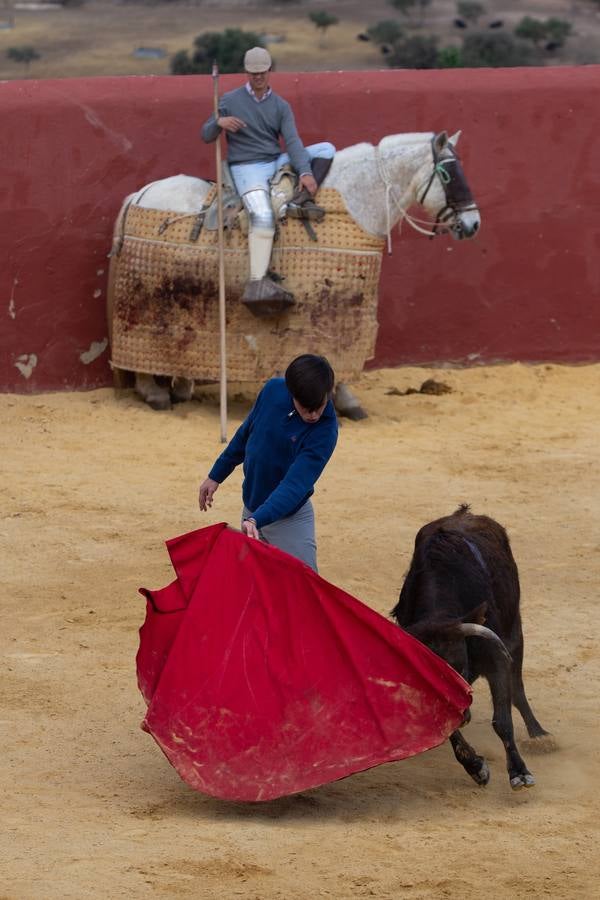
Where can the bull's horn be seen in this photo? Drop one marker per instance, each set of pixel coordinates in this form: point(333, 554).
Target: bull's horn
point(470, 629)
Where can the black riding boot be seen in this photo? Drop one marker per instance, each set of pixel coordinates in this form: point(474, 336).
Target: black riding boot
point(302, 204)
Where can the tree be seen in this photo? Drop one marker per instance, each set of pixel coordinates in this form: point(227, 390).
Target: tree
point(226, 47)
point(531, 30)
point(322, 20)
point(494, 49)
point(417, 52)
point(386, 32)
point(23, 54)
point(470, 10)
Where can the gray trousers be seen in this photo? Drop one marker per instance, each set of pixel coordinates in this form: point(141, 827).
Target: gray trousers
point(295, 534)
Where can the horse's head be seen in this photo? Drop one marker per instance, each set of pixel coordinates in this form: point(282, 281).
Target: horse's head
point(444, 191)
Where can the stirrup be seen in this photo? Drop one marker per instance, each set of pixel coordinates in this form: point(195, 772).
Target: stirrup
point(307, 210)
point(263, 297)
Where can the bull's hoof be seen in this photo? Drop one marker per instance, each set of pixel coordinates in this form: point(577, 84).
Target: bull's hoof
point(479, 771)
point(523, 780)
point(263, 297)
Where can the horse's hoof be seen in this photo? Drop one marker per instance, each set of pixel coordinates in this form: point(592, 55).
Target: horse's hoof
point(525, 780)
point(355, 413)
point(181, 390)
point(159, 403)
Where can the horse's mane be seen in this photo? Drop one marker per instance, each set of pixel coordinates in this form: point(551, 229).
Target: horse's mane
point(357, 152)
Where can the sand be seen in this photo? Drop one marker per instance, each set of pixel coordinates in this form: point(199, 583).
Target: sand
point(95, 483)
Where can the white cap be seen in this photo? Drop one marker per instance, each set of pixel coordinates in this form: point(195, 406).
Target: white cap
point(257, 60)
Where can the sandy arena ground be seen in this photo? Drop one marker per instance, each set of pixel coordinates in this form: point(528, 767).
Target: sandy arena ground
point(91, 808)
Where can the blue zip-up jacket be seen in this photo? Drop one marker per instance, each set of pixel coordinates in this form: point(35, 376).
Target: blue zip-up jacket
point(283, 456)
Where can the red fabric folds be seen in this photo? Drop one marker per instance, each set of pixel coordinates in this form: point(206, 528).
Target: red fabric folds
point(262, 679)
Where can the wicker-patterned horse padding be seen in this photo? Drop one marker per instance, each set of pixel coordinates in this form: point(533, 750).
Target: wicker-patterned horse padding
point(164, 296)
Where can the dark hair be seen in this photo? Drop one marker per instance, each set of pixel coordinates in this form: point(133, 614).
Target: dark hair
point(309, 380)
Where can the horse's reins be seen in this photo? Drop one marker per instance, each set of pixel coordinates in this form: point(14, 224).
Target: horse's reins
point(456, 200)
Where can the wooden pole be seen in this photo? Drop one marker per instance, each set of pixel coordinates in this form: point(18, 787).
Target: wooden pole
point(222, 321)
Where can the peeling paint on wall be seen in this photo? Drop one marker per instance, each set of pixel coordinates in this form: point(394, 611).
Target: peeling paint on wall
point(11, 306)
point(97, 348)
point(26, 363)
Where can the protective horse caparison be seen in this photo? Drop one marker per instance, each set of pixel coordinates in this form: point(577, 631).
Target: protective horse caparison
point(163, 280)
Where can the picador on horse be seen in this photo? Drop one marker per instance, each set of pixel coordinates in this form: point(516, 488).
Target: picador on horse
point(254, 119)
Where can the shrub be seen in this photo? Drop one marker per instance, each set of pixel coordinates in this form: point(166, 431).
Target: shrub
point(417, 52)
point(495, 49)
point(450, 58)
point(402, 6)
point(531, 30)
point(558, 30)
point(470, 10)
point(23, 54)
point(386, 32)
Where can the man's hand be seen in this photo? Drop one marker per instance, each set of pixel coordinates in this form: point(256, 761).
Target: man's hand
point(230, 123)
point(249, 528)
point(205, 495)
point(307, 181)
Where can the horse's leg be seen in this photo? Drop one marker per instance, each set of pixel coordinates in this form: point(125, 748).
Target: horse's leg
point(152, 393)
point(347, 404)
point(181, 389)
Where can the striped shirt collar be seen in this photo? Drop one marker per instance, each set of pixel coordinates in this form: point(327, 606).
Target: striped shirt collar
point(262, 99)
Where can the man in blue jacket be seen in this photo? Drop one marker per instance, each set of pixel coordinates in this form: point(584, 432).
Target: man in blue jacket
point(284, 445)
point(255, 119)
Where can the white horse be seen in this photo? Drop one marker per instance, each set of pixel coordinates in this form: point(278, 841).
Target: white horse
point(378, 184)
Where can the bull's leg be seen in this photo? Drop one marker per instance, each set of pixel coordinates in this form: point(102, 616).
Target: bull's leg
point(534, 729)
point(152, 393)
point(500, 687)
point(473, 764)
point(181, 390)
point(347, 404)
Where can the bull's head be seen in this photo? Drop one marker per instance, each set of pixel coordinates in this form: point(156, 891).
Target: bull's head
point(447, 637)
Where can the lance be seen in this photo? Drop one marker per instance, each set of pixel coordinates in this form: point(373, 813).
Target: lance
point(222, 325)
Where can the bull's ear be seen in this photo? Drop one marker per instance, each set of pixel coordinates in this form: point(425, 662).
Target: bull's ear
point(476, 615)
point(455, 137)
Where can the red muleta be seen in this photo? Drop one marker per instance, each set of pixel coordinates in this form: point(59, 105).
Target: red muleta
point(262, 679)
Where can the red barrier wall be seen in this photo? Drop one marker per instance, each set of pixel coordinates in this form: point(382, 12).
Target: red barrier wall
point(528, 288)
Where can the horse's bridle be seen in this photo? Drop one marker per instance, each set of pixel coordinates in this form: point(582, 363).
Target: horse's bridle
point(456, 192)
point(458, 195)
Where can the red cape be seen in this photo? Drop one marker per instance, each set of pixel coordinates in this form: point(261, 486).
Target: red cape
point(262, 679)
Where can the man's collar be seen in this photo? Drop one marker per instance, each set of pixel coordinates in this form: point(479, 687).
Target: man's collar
point(266, 94)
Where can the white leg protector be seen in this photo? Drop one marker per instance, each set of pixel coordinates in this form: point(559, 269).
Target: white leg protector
point(260, 244)
point(261, 231)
